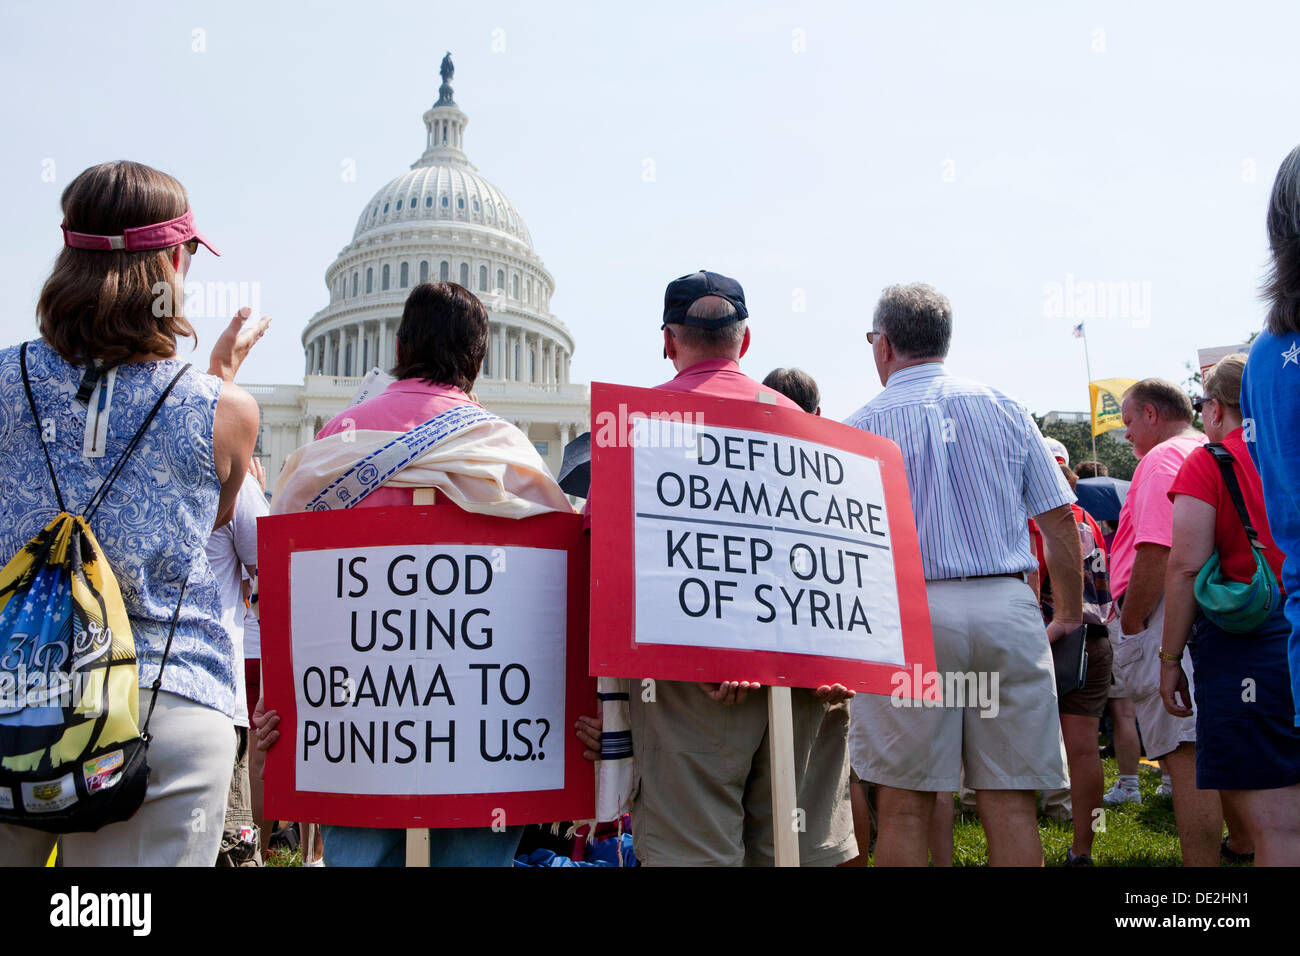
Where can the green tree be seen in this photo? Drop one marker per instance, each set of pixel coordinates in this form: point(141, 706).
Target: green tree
point(1112, 451)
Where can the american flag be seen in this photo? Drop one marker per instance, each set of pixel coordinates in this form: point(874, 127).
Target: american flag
point(1078, 331)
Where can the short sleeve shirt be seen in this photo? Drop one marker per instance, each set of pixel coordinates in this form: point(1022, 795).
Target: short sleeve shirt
point(229, 549)
point(1148, 515)
point(1200, 478)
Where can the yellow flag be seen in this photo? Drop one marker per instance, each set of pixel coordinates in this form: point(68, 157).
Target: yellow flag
point(1106, 396)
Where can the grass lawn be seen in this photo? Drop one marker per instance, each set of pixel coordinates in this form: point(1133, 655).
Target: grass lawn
point(1134, 835)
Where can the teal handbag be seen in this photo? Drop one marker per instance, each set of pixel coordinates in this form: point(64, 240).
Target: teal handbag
point(1231, 605)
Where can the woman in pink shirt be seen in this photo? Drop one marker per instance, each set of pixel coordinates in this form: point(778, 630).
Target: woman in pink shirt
point(441, 343)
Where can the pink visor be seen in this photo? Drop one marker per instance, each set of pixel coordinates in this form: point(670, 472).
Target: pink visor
point(161, 235)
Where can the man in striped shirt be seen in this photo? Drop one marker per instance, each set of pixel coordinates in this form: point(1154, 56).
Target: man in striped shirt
point(977, 469)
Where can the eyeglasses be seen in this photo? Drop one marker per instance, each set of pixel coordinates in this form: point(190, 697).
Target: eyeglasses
point(191, 246)
point(871, 337)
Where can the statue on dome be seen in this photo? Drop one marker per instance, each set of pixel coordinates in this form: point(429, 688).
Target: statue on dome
point(447, 70)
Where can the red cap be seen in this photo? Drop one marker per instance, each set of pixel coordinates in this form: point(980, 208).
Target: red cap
point(160, 235)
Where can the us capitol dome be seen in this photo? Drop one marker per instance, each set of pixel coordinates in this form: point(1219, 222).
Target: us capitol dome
point(439, 221)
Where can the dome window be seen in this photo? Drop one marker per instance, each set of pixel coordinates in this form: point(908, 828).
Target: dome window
point(501, 281)
point(482, 278)
point(399, 205)
point(460, 202)
point(385, 209)
point(374, 212)
point(404, 275)
point(445, 202)
point(444, 271)
point(383, 282)
point(424, 272)
point(514, 287)
point(428, 202)
point(476, 206)
point(370, 281)
point(355, 278)
point(464, 274)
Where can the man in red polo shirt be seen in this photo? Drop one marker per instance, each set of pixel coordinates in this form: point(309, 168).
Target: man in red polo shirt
point(702, 789)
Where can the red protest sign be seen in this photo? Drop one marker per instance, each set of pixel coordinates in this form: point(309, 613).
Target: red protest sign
point(736, 540)
point(426, 664)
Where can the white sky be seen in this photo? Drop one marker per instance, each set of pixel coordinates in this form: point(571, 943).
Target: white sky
point(989, 149)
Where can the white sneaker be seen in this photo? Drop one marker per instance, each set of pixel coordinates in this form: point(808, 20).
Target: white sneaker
point(1165, 790)
point(1119, 794)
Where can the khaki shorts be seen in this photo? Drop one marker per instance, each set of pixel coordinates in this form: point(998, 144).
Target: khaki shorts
point(702, 795)
point(1137, 664)
point(988, 636)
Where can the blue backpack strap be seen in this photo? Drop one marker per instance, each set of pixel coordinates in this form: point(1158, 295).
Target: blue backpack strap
point(351, 487)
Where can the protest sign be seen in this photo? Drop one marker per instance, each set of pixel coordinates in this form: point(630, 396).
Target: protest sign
point(427, 664)
point(744, 541)
point(1206, 359)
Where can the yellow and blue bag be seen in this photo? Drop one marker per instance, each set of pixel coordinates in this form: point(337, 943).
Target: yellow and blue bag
point(73, 757)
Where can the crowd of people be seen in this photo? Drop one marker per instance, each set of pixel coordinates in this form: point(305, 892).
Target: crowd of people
point(1074, 618)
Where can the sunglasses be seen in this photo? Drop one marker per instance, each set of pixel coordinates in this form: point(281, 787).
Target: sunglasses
point(191, 246)
point(871, 337)
point(1198, 403)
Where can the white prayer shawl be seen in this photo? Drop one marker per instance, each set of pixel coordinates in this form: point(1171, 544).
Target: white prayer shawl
point(488, 468)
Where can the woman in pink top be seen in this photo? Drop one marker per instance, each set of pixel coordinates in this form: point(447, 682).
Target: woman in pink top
point(441, 343)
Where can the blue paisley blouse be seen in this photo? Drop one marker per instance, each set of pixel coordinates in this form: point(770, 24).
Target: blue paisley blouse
point(156, 518)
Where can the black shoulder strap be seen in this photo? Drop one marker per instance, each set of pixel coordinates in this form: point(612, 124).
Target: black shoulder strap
point(40, 432)
point(1225, 462)
point(167, 649)
point(98, 498)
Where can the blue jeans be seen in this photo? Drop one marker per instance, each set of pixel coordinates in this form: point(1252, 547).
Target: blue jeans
point(464, 846)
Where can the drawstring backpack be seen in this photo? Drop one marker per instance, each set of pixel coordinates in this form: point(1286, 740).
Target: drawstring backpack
point(72, 756)
point(1235, 607)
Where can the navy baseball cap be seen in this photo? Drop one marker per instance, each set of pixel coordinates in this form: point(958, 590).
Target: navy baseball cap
point(682, 293)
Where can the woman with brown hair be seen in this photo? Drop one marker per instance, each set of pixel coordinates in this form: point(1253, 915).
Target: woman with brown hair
point(109, 316)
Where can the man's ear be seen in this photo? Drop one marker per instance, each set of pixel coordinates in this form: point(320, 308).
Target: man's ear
point(744, 343)
point(670, 344)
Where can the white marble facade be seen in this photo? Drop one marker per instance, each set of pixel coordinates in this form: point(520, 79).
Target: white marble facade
point(439, 221)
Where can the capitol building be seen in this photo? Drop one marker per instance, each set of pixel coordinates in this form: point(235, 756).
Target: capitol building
point(439, 221)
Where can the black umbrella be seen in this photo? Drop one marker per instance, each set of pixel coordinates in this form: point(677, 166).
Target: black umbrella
point(575, 469)
point(1102, 497)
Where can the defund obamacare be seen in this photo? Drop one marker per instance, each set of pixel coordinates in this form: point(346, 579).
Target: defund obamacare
point(740, 496)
